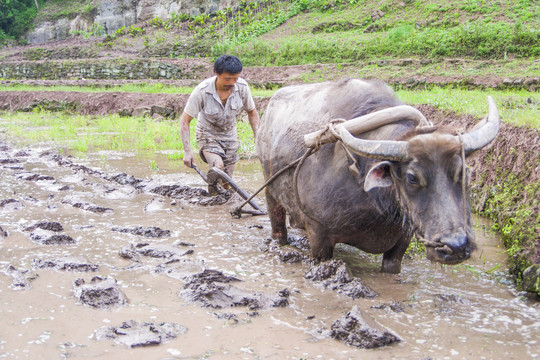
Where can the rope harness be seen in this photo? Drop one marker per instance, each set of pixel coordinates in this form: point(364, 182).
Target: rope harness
point(327, 131)
point(237, 212)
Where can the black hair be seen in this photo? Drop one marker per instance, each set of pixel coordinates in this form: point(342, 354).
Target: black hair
point(227, 63)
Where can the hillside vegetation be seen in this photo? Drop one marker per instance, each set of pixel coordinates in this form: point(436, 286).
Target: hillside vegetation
point(321, 31)
point(341, 31)
point(359, 30)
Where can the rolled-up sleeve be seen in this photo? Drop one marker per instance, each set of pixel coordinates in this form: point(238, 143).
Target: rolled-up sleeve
point(194, 104)
point(249, 104)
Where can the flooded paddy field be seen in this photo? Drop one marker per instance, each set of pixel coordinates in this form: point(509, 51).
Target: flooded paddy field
point(181, 279)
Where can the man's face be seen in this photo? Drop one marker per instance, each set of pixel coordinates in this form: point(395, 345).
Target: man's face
point(226, 80)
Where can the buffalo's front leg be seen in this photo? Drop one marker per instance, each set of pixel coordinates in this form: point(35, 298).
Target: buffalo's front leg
point(277, 215)
point(322, 247)
point(392, 258)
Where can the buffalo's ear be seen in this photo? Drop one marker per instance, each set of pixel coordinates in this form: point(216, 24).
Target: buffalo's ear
point(378, 176)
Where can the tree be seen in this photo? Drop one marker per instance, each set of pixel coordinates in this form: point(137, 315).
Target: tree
point(16, 17)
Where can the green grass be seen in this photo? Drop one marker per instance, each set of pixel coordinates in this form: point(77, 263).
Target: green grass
point(519, 108)
point(341, 33)
point(144, 88)
point(92, 133)
point(470, 40)
point(516, 107)
point(55, 9)
point(83, 134)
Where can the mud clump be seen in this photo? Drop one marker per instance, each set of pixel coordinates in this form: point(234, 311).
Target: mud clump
point(87, 206)
point(165, 251)
point(295, 252)
point(209, 276)
point(149, 232)
point(9, 161)
point(229, 317)
point(67, 264)
point(354, 330)
point(34, 177)
point(62, 161)
point(99, 293)
point(291, 255)
point(58, 159)
point(178, 191)
point(21, 153)
point(45, 225)
point(21, 278)
point(124, 179)
point(394, 306)
point(10, 204)
point(135, 334)
point(196, 196)
point(44, 238)
point(211, 200)
point(335, 276)
point(92, 208)
point(211, 288)
point(46, 233)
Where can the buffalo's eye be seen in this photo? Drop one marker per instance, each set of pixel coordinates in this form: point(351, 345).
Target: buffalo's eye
point(458, 177)
point(411, 179)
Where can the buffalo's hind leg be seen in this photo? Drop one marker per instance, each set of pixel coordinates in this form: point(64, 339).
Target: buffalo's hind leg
point(278, 216)
point(392, 258)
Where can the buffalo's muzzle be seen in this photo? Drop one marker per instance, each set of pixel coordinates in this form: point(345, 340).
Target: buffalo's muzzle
point(450, 249)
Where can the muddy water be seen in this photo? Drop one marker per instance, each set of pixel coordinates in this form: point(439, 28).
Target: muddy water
point(438, 312)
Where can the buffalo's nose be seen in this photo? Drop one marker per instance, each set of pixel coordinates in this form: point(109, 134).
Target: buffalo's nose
point(456, 246)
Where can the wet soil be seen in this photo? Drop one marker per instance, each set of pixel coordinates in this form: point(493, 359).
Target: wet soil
point(99, 292)
point(134, 334)
point(353, 330)
point(205, 285)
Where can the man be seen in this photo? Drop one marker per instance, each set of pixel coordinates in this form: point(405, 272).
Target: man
point(215, 103)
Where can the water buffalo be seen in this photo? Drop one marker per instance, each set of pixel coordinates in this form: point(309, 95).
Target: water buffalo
point(373, 191)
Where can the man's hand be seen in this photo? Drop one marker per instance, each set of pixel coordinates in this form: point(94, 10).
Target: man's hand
point(188, 158)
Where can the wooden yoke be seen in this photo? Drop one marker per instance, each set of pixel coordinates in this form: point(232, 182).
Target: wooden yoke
point(367, 123)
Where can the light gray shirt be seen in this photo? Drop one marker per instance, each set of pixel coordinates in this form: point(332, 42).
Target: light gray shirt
point(215, 120)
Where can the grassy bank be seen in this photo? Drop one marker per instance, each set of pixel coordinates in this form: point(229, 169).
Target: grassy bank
point(516, 107)
point(143, 88)
point(347, 31)
point(79, 134)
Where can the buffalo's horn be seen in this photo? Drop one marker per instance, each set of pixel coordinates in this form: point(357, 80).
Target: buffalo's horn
point(484, 134)
point(369, 122)
point(374, 149)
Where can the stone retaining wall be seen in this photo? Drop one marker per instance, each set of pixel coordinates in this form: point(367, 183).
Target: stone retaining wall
point(102, 69)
